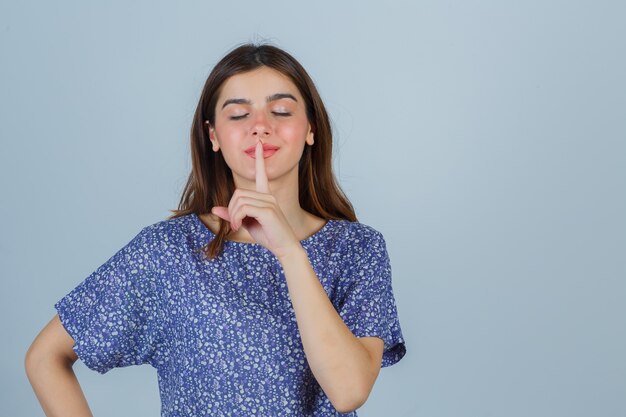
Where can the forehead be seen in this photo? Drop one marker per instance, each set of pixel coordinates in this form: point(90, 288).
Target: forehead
point(257, 84)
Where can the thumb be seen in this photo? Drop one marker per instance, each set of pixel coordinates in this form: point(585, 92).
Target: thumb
point(221, 212)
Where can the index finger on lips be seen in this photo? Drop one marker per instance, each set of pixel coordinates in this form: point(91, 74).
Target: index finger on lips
point(262, 185)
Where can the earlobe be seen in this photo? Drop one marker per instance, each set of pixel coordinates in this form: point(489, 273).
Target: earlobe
point(212, 137)
point(309, 138)
point(216, 146)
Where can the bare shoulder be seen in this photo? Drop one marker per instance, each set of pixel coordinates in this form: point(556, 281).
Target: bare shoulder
point(53, 340)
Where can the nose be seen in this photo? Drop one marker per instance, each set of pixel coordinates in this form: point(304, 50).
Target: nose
point(261, 126)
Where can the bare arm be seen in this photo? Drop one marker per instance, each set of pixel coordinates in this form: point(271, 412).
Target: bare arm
point(48, 364)
point(345, 366)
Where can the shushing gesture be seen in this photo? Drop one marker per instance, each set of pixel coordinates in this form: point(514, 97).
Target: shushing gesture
point(259, 213)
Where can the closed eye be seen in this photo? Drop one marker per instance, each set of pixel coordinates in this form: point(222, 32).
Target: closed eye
point(281, 114)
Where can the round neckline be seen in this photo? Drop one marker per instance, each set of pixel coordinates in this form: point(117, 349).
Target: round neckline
point(307, 240)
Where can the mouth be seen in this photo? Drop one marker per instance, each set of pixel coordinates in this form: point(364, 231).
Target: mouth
point(268, 150)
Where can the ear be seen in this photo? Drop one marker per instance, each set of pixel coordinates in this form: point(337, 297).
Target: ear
point(212, 137)
point(309, 137)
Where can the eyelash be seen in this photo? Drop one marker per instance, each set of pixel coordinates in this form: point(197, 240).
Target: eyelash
point(244, 115)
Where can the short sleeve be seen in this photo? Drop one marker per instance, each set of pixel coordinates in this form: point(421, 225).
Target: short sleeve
point(111, 313)
point(368, 306)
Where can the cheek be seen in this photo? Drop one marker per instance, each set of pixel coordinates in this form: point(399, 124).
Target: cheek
point(229, 136)
point(292, 132)
point(231, 141)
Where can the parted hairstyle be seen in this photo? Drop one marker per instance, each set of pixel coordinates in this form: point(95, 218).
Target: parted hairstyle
point(211, 183)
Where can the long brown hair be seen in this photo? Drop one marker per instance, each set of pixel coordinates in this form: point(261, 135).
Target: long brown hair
point(210, 182)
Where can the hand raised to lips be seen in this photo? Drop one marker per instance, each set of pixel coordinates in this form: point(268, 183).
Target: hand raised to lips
point(261, 182)
point(259, 213)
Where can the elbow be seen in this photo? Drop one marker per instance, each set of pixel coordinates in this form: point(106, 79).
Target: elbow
point(350, 394)
point(350, 404)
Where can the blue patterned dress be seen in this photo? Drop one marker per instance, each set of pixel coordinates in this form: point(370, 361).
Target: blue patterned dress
point(222, 333)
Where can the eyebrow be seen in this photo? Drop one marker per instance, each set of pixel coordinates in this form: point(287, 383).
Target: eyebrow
point(273, 97)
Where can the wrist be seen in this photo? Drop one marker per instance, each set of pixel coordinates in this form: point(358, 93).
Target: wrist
point(295, 252)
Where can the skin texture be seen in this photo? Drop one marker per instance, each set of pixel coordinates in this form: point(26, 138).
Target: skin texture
point(264, 209)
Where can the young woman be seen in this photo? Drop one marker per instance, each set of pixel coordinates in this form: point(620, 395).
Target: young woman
point(262, 295)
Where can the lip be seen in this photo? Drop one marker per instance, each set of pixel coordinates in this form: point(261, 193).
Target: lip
point(268, 150)
point(266, 147)
point(266, 154)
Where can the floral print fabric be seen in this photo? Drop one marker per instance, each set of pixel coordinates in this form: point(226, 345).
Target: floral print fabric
point(222, 333)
